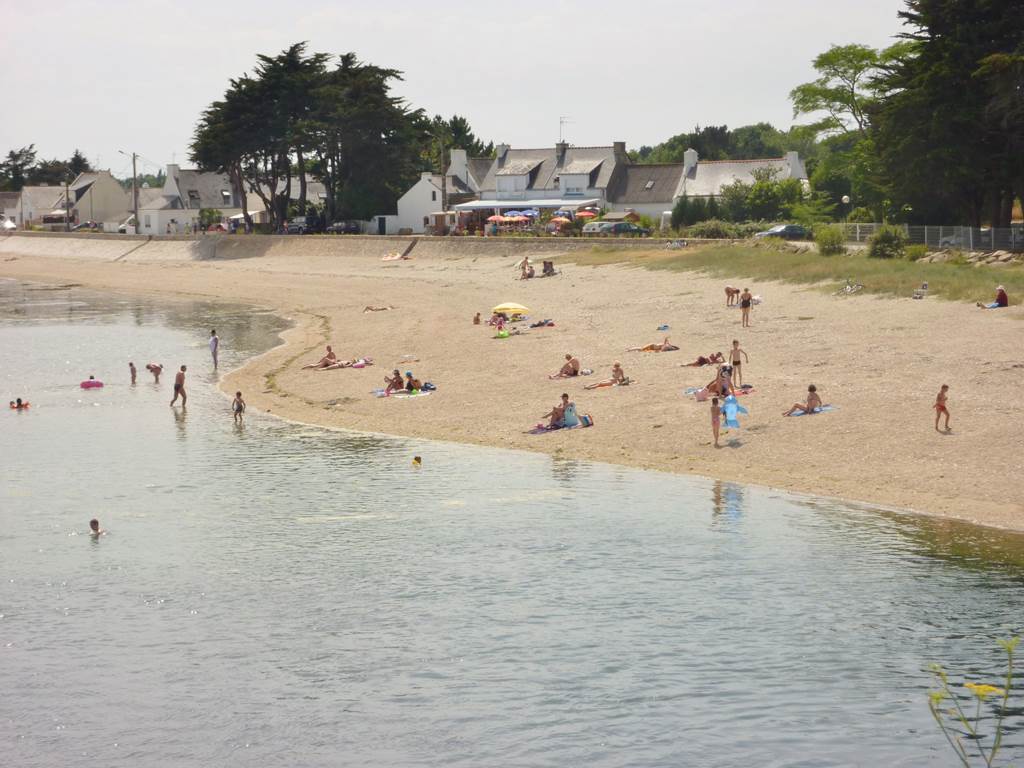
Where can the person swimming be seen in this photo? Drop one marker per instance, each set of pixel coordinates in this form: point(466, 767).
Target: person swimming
point(94, 528)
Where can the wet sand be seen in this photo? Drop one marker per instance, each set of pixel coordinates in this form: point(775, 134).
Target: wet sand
point(880, 360)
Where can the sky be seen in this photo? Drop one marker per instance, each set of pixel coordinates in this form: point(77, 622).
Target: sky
point(103, 76)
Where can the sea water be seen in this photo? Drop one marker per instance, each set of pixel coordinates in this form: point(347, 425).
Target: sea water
point(278, 595)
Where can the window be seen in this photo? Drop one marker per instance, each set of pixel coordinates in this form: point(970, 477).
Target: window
point(433, 195)
point(574, 190)
point(426, 221)
point(146, 220)
point(193, 198)
point(649, 185)
point(225, 196)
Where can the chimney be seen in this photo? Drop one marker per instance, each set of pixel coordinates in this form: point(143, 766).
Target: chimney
point(619, 150)
point(500, 151)
point(689, 161)
point(458, 164)
point(560, 149)
point(793, 163)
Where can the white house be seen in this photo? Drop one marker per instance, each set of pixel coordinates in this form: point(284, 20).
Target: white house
point(654, 189)
point(185, 193)
point(428, 195)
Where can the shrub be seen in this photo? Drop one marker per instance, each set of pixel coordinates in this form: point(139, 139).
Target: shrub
point(830, 239)
point(861, 215)
point(712, 229)
point(887, 243)
point(915, 252)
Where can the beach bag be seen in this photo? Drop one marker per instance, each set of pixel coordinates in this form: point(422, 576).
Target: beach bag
point(428, 387)
point(587, 420)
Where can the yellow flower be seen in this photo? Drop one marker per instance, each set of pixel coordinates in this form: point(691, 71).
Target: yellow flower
point(981, 691)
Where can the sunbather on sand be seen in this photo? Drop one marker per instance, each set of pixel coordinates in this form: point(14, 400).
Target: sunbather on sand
point(665, 346)
point(394, 382)
point(570, 369)
point(369, 308)
point(811, 406)
point(557, 413)
point(361, 362)
point(329, 359)
point(618, 377)
point(701, 361)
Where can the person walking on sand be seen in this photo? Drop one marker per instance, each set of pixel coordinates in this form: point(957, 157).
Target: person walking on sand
point(179, 387)
point(716, 419)
point(132, 371)
point(734, 357)
point(214, 347)
point(238, 407)
point(746, 299)
point(941, 407)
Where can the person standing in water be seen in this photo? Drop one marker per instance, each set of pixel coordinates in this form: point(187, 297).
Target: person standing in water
point(214, 346)
point(134, 373)
point(238, 407)
point(94, 528)
point(156, 369)
point(179, 387)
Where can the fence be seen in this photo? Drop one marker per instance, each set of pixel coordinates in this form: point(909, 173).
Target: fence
point(938, 237)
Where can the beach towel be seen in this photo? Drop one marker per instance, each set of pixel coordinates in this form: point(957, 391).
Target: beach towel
point(543, 429)
point(414, 393)
point(823, 409)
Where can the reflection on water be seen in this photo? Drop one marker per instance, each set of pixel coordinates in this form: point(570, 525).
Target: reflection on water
point(271, 594)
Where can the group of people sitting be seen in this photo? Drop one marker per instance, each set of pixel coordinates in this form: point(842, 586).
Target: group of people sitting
point(527, 270)
point(395, 383)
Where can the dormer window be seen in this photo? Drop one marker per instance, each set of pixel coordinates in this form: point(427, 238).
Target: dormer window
point(225, 196)
point(193, 198)
point(649, 185)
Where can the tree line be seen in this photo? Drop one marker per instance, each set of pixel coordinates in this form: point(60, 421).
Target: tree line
point(334, 119)
point(22, 168)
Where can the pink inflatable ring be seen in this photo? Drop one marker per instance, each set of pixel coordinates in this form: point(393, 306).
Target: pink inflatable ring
point(91, 384)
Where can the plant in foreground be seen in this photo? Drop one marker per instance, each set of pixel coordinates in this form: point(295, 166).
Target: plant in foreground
point(945, 706)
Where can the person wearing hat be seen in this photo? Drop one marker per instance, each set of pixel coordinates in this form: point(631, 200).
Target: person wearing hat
point(411, 384)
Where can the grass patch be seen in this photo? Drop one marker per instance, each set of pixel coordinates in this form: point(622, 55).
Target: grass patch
point(887, 277)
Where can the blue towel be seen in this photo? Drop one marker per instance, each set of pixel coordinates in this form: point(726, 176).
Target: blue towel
point(823, 409)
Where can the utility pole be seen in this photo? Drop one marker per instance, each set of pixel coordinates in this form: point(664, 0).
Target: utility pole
point(135, 189)
point(444, 188)
point(67, 207)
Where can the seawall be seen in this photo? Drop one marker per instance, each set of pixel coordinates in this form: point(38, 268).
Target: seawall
point(142, 248)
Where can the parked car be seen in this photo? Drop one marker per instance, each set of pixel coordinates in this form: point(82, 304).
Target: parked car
point(596, 228)
point(625, 229)
point(129, 222)
point(344, 228)
point(786, 232)
point(90, 225)
point(301, 225)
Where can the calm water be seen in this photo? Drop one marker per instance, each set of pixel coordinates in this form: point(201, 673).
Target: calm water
point(284, 596)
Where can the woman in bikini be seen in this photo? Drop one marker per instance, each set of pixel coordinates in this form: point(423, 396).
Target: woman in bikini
point(701, 361)
point(329, 359)
point(665, 346)
point(811, 406)
point(618, 378)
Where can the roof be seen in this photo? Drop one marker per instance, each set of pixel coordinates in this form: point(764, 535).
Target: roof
point(205, 189)
point(40, 198)
point(709, 176)
point(148, 197)
point(543, 166)
point(9, 200)
point(656, 183)
point(479, 167)
point(519, 205)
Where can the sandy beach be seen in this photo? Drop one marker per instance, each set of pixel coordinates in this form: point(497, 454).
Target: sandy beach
point(880, 361)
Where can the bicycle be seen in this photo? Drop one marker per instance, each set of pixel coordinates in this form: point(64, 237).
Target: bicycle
point(850, 288)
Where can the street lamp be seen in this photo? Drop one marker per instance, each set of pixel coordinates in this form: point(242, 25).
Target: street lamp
point(846, 209)
point(135, 191)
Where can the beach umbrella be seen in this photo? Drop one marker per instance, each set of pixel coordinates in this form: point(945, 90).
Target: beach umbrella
point(520, 218)
point(586, 215)
point(560, 220)
point(513, 213)
point(531, 213)
point(495, 217)
point(509, 308)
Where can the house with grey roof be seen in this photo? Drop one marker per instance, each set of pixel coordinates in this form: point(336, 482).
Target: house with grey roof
point(185, 193)
point(654, 189)
point(431, 194)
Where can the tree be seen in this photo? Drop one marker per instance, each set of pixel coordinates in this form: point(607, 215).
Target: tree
point(712, 211)
point(680, 211)
point(50, 172)
point(947, 153)
point(15, 167)
point(78, 163)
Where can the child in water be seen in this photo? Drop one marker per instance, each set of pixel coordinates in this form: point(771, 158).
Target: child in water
point(94, 528)
point(238, 407)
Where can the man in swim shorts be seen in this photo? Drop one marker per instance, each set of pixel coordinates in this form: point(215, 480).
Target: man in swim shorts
point(179, 387)
point(570, 369)
point(940, 407)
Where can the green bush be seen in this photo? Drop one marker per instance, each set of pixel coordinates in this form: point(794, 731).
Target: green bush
point(915, 252)
point(830, 239)
point(887, 243)
point(712, 229)
point(861, 215)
